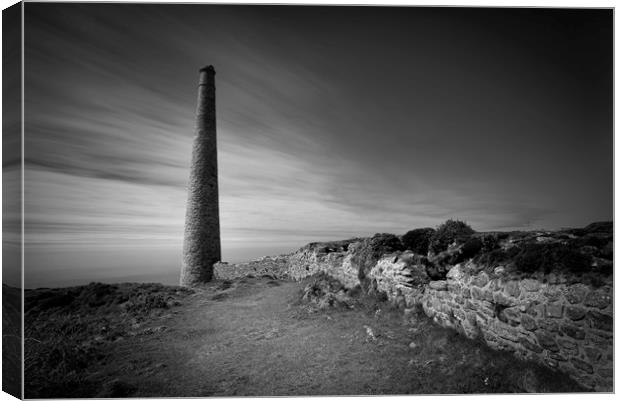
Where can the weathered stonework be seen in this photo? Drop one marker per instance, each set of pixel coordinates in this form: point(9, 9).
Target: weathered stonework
point(545, 318)
point(201, 246)
point(276, 267)
point(564, 319)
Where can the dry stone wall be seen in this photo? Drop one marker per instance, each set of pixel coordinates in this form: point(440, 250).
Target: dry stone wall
point(276, 266)
point(333, 259)
point(562, 321)
point(565, 326)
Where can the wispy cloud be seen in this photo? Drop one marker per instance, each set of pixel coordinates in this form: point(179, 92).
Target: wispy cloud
point(332, 122)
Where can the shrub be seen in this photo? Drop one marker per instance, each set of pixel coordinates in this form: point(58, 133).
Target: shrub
point(417, 240)
point(470, 248)
point(370, 250)
point(490, 243)
point(447, 233)
point(547, 257)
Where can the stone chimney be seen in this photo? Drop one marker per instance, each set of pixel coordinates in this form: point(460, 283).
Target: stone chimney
point(201, 247)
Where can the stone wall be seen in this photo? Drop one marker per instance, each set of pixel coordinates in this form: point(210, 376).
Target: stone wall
point(276, 266)
point(331, 258)
point(562, 321)
point(546, 319)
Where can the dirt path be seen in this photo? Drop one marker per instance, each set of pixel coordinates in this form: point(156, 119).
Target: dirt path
point(255, 338)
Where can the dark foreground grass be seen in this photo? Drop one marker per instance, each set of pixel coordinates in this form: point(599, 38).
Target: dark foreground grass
point(258, 337)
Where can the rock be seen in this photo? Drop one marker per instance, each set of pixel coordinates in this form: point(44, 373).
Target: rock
point(558, 357)
point(564, 343)
point(477, 293)
point(512, 289)
point(576, 293)
point(480, 280)
point(413, 345)
point(593, 354)
point(546, 341)
point(597, 299)
point(600, 321)
point(530, 345)
point(456, 273)
point(528, 323)
point(553, 310)
point(573, 331)
point(582, 365)
point(513, 314)
point(575, 313)
point(501, 299)
point(370, 334)
point(499, 270)
point(439, 285)
point(549, 325)
point(530, 285)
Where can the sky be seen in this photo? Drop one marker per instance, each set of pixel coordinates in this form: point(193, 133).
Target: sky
point(332, 122)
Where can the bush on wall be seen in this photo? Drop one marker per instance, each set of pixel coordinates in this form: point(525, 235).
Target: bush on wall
point(418, 240)
point(447, 233)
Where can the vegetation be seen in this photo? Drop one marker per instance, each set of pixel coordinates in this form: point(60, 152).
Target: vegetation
point(547, 257)
point(67, 330)
point(370, 250)
point(418, 240)
point(449, 232)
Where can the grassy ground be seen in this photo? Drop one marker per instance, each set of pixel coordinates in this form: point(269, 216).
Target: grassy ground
point(256, 337)
point(11, 340)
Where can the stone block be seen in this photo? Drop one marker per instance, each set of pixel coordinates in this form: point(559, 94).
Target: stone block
point(477, 293)
point(528, 323)
point(530, 285)
point(506, 334)
point(501, 299)
point(553, 293)
point(456, 288)
point(549, 325)
point(532, 309)
point(512, 289)
point(576, 293)
point(575, 312)
point(558, 357)
point(487, 307)
point(553, 311)
point(593, 354)
point(530, 345)
point(481, 319)
point(480, 280)
point(597, 299)
point(513, 314)
point(469, 305)
point(547, 341)
point(439, 285)
point(455, 273)
point(459, 314)
point(552, 363)
point(582, 365)
point(573, 331)
point(600, 321)
point(567, 344)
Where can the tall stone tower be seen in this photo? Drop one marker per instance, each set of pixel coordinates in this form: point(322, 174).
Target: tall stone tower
point(201, 247)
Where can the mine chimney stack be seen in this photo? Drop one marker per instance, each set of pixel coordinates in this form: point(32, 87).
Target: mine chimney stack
point(201, 246)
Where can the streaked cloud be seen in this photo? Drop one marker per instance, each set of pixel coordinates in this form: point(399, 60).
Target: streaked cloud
point(332, 122)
